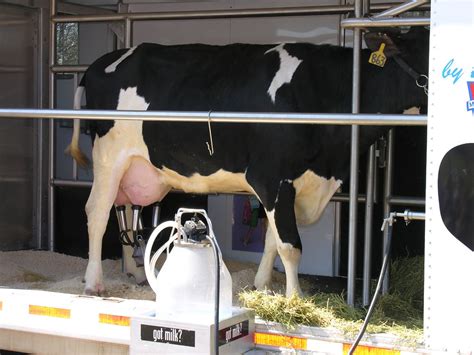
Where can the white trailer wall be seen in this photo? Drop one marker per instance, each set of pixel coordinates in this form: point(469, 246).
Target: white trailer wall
point(449, 239)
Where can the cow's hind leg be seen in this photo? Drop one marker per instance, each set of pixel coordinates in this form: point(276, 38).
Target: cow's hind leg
point(288, 239)
point(263, 278)
point(101, 199)
point(282, 219)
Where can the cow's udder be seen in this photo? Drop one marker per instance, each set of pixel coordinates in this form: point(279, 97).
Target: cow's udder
point(142, 184)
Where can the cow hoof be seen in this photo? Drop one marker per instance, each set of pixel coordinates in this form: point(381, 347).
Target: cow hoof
point(266, 290)
point(99, 290)
point(140, 280)
point(143, 283)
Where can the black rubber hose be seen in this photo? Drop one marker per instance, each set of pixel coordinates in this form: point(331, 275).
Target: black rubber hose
point(377, 290)
point(124, 239)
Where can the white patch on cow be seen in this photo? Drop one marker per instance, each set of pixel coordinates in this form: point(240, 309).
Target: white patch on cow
point(94, 277)
point(112, 67)
point(130, 100)
point(313, 193)
point(288, 66)
point(263, 278)
point(288, 181)
point(290, 257)
point(111, 154)
point(220, 181)
point(412, 111)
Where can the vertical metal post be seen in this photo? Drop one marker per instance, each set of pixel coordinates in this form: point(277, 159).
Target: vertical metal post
point(127, 43)
point(337, 239)
point(74, 163)
point(128, 33)
point(354, 181)
point(368, 226)
point(386, 197)
point(52, 61)
point(366, 8)
point(341, 36)
point(41, 97)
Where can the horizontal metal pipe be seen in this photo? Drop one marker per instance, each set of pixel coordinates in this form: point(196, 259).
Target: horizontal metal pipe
point(215, 14)
point(71, 183)
point(411, 216)
point(7, 179)
point(69, 68)
point(13, 69)
point(404, 7)
point(215, 117)
point(406, 201)
point(384, 22)
point(340, 197)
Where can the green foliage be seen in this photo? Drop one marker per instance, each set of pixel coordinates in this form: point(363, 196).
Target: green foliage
point(67, 39)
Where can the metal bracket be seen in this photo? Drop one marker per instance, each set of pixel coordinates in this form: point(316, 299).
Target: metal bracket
point(407, 216)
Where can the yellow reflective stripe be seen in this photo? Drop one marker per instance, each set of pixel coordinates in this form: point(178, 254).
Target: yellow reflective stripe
point(281, 341)
point(113, 319)
point(49, 311)
point(369, 350)
point(1, 306)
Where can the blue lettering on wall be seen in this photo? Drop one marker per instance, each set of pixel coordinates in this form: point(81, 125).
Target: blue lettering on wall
point(448, 71)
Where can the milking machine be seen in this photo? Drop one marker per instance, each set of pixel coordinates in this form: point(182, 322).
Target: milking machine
point(193, 312)
point(139, 232)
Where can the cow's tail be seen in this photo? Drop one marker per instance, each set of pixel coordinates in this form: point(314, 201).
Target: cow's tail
point(73, 148)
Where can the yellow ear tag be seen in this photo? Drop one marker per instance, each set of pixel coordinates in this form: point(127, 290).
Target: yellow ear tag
point(378, 58)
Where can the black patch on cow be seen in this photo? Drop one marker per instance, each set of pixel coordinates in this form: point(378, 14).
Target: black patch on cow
point(456, 193)
point(285, 220)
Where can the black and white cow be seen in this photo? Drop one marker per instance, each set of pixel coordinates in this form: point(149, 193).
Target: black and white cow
point(293, 169)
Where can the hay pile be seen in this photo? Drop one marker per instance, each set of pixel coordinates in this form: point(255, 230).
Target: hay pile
point(400, 312)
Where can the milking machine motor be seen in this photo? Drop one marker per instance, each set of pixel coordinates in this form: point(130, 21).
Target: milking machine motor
point(188, 306)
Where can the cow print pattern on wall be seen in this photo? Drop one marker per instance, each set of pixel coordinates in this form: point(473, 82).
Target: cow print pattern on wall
point(456, 193)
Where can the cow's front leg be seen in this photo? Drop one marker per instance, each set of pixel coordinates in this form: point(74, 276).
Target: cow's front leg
point(101, 199)
point(283, 221)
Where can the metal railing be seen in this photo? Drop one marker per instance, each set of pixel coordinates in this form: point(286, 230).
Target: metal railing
point(223, 117)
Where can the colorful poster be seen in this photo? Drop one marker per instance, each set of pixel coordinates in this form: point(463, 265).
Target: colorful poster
point(249, 227)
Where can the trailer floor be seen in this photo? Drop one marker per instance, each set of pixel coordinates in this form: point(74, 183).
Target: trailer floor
point(49, 271)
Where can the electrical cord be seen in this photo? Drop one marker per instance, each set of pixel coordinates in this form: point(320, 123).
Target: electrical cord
point(387, 222)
